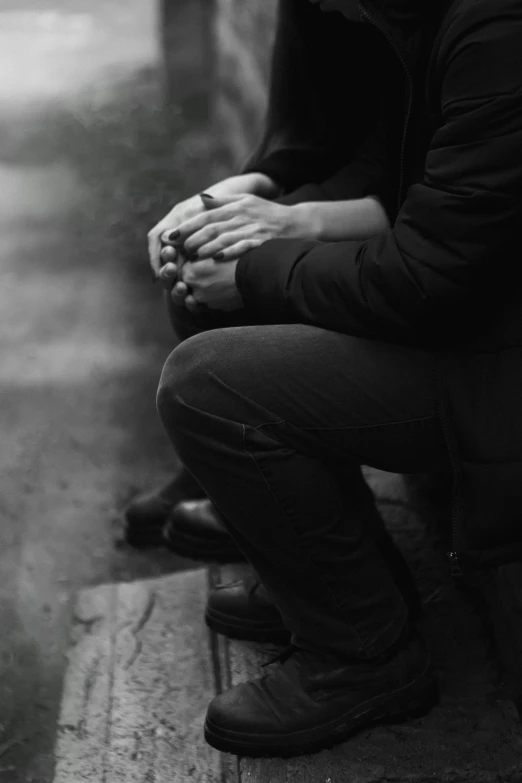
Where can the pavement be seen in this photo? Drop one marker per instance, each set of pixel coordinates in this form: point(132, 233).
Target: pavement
point(83, 337)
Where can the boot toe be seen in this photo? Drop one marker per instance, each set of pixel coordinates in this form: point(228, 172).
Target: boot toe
point(241, 711)
point(146, 515)
point(229, 599)
point(195, 529)
point(147, 510)
point(197, 515)
point(144, 519)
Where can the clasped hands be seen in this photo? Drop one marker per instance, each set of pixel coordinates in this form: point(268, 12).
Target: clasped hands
point(200, 256)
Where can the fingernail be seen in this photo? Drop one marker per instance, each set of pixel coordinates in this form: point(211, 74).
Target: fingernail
point(154, 275)
point(206, 195)
point(174, 235)
point(219, 256)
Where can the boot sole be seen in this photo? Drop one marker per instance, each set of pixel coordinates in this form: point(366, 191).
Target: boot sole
point(220, 550)
point(264, 633)
point(412, 701)
point(191, 547)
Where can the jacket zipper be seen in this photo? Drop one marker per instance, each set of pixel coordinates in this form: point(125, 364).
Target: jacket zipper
point(365, 15)
point(455, 567)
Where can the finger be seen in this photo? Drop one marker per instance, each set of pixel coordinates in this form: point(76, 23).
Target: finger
point(237, 246)
point(214, 202)
point(155, 246)
point(181, 261)
point(212, 233)
point(189, 227)
point(168, 274)
point(179, 292)
point(168, 254)
point(154, 251)
point(168, 270)
point(194, 271)
point(191, 304)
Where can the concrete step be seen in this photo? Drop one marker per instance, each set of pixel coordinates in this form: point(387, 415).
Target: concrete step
point(143, 667)
point(139, 680)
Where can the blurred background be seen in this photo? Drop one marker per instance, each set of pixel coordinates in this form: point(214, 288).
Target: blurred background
point(110, 112)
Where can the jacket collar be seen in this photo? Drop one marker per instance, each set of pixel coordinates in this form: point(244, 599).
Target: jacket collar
point(403, 22)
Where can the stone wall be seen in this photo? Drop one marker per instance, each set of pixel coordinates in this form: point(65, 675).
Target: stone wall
point(243, 32)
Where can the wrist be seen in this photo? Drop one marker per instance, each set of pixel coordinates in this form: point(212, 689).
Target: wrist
point(254, 182)
point(304, 222)
point(263, 185)
point(260, 184)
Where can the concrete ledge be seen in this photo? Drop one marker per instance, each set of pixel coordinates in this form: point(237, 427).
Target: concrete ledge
point(139, 681)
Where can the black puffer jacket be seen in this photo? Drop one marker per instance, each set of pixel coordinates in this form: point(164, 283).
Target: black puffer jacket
point(448, 275)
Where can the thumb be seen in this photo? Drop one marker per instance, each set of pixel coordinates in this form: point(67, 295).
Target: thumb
point(213, 202)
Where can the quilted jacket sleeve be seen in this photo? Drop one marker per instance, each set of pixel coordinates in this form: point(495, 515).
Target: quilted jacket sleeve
point(451, 228)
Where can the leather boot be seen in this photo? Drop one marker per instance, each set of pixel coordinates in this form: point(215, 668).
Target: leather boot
point(312, 701)
point(246, 611)
point(195, 529)
point(146, 515)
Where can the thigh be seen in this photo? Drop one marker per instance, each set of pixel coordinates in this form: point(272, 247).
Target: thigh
point(353, 398)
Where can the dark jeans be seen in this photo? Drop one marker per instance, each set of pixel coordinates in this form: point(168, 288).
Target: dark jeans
point(274, 421)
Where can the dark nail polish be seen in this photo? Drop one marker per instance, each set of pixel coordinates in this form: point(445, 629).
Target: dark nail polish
point(206, 195)
point(219, 256)
point(154, 275)
point(174, 235)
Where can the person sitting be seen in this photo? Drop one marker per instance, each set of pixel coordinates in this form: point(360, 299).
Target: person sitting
point(340, 188)
point(402, 351)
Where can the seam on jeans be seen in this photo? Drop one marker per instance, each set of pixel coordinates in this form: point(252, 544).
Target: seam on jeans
point(270, 424)
point(370, 426)
point(310, 560)
point(433, 417)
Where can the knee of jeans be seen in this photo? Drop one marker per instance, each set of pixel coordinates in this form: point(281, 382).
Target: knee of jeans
point(185, 375)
